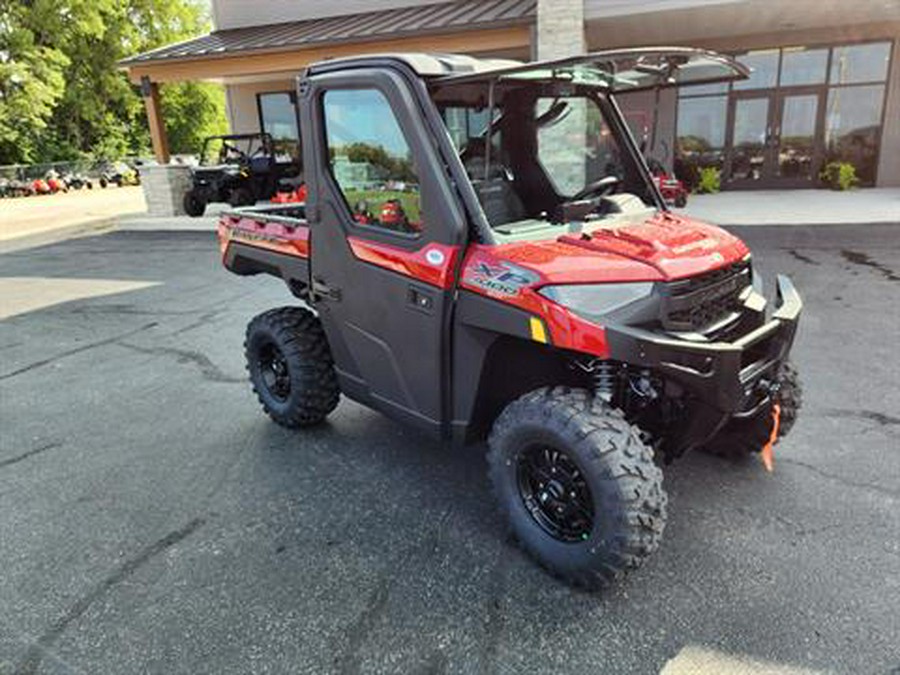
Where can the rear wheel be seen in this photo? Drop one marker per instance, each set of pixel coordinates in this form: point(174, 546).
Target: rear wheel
point(578, 487)
point(291, 367)
point(681, 200)
point(194, 204)
point(742, 437)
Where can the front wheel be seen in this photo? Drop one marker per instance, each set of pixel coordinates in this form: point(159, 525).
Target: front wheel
point(194, 204)
point(291, 367)
point(578, 487)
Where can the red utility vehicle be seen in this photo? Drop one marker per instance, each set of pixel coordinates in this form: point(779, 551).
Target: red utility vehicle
point(673, 190)
point(483, 254)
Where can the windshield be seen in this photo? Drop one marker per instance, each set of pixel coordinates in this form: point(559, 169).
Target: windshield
point(218, 150)
point(545, 158)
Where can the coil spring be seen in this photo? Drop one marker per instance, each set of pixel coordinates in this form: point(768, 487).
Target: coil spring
point(605, 377)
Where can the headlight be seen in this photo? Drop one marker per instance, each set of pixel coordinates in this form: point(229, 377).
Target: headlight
point(595, 300)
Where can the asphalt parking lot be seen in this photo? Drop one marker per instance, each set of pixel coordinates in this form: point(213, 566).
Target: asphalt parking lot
point(153, 520)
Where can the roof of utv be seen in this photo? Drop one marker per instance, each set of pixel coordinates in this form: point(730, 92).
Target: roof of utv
point(618, 70)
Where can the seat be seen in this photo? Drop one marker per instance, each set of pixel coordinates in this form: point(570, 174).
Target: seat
point(499, 201)
point(494, 187)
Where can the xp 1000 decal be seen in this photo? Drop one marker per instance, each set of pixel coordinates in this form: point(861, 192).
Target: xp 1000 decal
point(499, 278)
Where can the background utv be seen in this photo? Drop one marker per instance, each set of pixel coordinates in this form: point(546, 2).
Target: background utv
point(535, 292)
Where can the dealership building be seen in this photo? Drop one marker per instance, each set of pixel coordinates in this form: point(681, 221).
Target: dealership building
point(825, 82)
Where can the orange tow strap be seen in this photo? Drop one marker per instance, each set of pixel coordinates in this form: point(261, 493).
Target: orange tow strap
point(767, 454)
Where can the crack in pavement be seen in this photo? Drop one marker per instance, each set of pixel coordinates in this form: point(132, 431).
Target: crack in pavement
point(201, 321)
point(30, 453)
point(208, 369)
point(357, 632)
point(494, 621)
point(871, 415)
point(841, 479)
point(858, 258)
point(77, 350)
point(802, 258)
point(39, 648)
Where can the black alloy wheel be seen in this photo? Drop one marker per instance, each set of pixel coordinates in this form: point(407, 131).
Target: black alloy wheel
point(555, 493)
point(274, 371)
point(291, 367)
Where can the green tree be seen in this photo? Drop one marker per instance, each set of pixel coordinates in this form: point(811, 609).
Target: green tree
point(31, 84)
point(62, 56)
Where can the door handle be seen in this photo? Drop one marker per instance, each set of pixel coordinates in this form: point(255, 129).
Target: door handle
point(322, 291)
point(420, 299)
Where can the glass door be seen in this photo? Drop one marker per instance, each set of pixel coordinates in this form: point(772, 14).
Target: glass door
point(775, 140)
point(797, 139)
point(750, 140)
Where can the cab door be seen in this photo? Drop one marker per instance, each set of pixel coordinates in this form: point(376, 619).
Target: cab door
point(386, 234)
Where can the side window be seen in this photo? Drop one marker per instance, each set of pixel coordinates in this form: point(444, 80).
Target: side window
point(371, 161)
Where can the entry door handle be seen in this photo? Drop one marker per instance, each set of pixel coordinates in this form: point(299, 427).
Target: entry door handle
point(322, 291)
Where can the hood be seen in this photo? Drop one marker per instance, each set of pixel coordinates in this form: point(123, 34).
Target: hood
point(662, 248)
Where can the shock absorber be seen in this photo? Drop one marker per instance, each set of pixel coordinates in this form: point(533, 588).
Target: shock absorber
point(605, 379)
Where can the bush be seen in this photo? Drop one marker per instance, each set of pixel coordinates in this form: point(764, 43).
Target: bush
point(710, 181)
point(839, 176)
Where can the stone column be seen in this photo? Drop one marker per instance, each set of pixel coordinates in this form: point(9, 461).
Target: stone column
point(164, 188)
point(560, 29)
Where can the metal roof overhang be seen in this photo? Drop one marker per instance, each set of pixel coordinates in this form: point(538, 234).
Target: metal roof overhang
point(471, 26)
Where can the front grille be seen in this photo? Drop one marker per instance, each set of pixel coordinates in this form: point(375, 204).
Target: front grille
point(699, 302)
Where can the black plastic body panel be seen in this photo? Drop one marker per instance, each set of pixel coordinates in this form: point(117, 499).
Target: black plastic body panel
point(246, 260)
point(721, 375)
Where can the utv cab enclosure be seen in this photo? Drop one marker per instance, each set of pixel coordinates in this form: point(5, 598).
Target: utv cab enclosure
point(483, 254)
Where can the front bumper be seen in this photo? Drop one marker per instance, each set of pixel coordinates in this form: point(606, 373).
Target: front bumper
point(733, 378)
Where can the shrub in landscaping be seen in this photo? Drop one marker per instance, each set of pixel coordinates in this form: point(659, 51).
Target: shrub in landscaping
point(839, 176)
point(710, 181)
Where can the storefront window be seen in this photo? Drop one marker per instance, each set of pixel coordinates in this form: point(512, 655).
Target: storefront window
point(764, 67)
point(278, 117)
point(800, 66)
point(860, 63)
point(701, 135)
point(776, 131)
point(852, 126)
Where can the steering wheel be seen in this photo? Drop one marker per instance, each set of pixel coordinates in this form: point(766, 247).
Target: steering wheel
point(601, 188)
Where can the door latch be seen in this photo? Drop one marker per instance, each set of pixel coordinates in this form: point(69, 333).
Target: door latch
point(420, 299)
point(322, 291)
